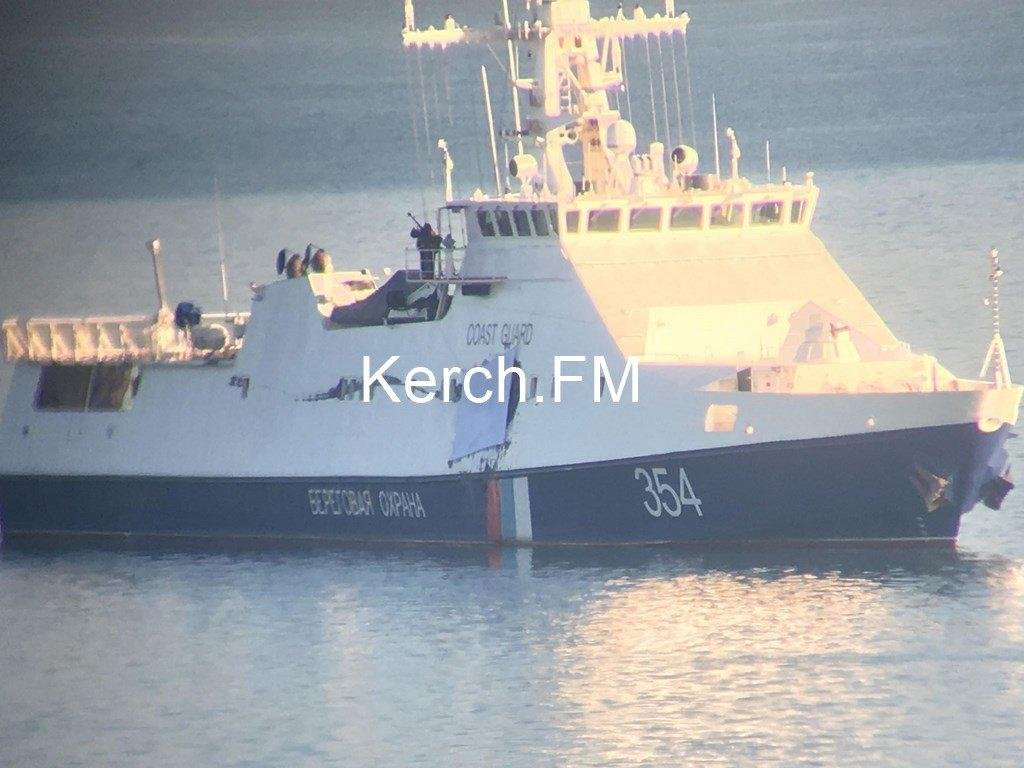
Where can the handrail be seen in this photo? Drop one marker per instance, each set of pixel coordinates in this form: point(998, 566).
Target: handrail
point(446, 270)
point(445, 265)
point(120, 338)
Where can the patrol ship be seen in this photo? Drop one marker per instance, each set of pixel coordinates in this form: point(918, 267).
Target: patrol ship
point(773, 403)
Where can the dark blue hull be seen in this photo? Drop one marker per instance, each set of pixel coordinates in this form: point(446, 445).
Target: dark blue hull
point(908, 485)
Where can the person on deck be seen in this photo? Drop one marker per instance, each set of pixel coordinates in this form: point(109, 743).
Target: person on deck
point(429, 244)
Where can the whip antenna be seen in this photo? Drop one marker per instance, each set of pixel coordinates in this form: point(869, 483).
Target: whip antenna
point(513, 76)
point(689, 90)
point(675, 85)
point(650, 82)
point(664, 92)
point(490, 129)
point(714, 127)
point(220, 243)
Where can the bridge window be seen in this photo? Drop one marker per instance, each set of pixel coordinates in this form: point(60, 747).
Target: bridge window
point(603, 220)
point(553, 219)
point(522, 222)
point(645, 219)
point(686, 217)
point(766, 213)
point(572, 221)
point(540, 221)
point(727, 215)
point(504, 223)
point(486, 223)
point(796, 213)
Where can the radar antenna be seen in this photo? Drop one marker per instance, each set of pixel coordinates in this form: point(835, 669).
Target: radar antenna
point(576, 67)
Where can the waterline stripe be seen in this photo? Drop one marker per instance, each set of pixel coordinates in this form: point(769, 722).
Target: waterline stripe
point(508, 510)
point(524, 521)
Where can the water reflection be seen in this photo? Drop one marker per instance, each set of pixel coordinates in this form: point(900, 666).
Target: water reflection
point(472, 656)
point(706, 659)
point(830, 658)
point(1006, 599)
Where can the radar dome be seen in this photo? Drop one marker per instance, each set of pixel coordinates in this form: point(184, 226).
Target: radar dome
point(685, 159)
point(621, 137)
point(523, 167)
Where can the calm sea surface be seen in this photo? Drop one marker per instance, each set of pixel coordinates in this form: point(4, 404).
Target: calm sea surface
point(117, 117)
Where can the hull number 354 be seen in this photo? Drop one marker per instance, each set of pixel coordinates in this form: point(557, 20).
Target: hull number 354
point(661, 494)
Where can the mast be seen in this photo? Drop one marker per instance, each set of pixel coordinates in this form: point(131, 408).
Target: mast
point(513, 75)
point(576, 61)
point(995, 357)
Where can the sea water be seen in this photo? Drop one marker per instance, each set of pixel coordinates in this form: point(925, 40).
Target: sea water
point(117, 119)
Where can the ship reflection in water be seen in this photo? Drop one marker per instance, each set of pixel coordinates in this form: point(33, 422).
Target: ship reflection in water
point(856, 658)
point(464, 656)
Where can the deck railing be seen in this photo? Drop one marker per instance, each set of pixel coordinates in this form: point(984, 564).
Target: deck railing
point(122, 338)
point(446, 267)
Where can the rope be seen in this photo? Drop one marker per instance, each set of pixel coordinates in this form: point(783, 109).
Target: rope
point(689, 89)
point(447, 88)
point(412, 121)
point(615, 94)
point(625, 84)
point(664, 92)
point(675, 84)
point(650, 81)
point(426, 116)
point(437, 97)
point(501, 64)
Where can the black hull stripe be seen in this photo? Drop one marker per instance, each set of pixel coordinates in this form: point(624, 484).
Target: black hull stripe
point(855, 489)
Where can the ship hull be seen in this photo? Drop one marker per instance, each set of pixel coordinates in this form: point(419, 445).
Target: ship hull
point(909, 485)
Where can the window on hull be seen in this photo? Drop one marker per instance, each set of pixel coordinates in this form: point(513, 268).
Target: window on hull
point(686, 217)
point(605, 220)
point(540, 221)
point(572, 221)
point(769, 212)
point(645, 219)
point(504, 223)
point(102, 387)
point(727, 215)
point(721, 418)
point(486, 223)
point(522, 222)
